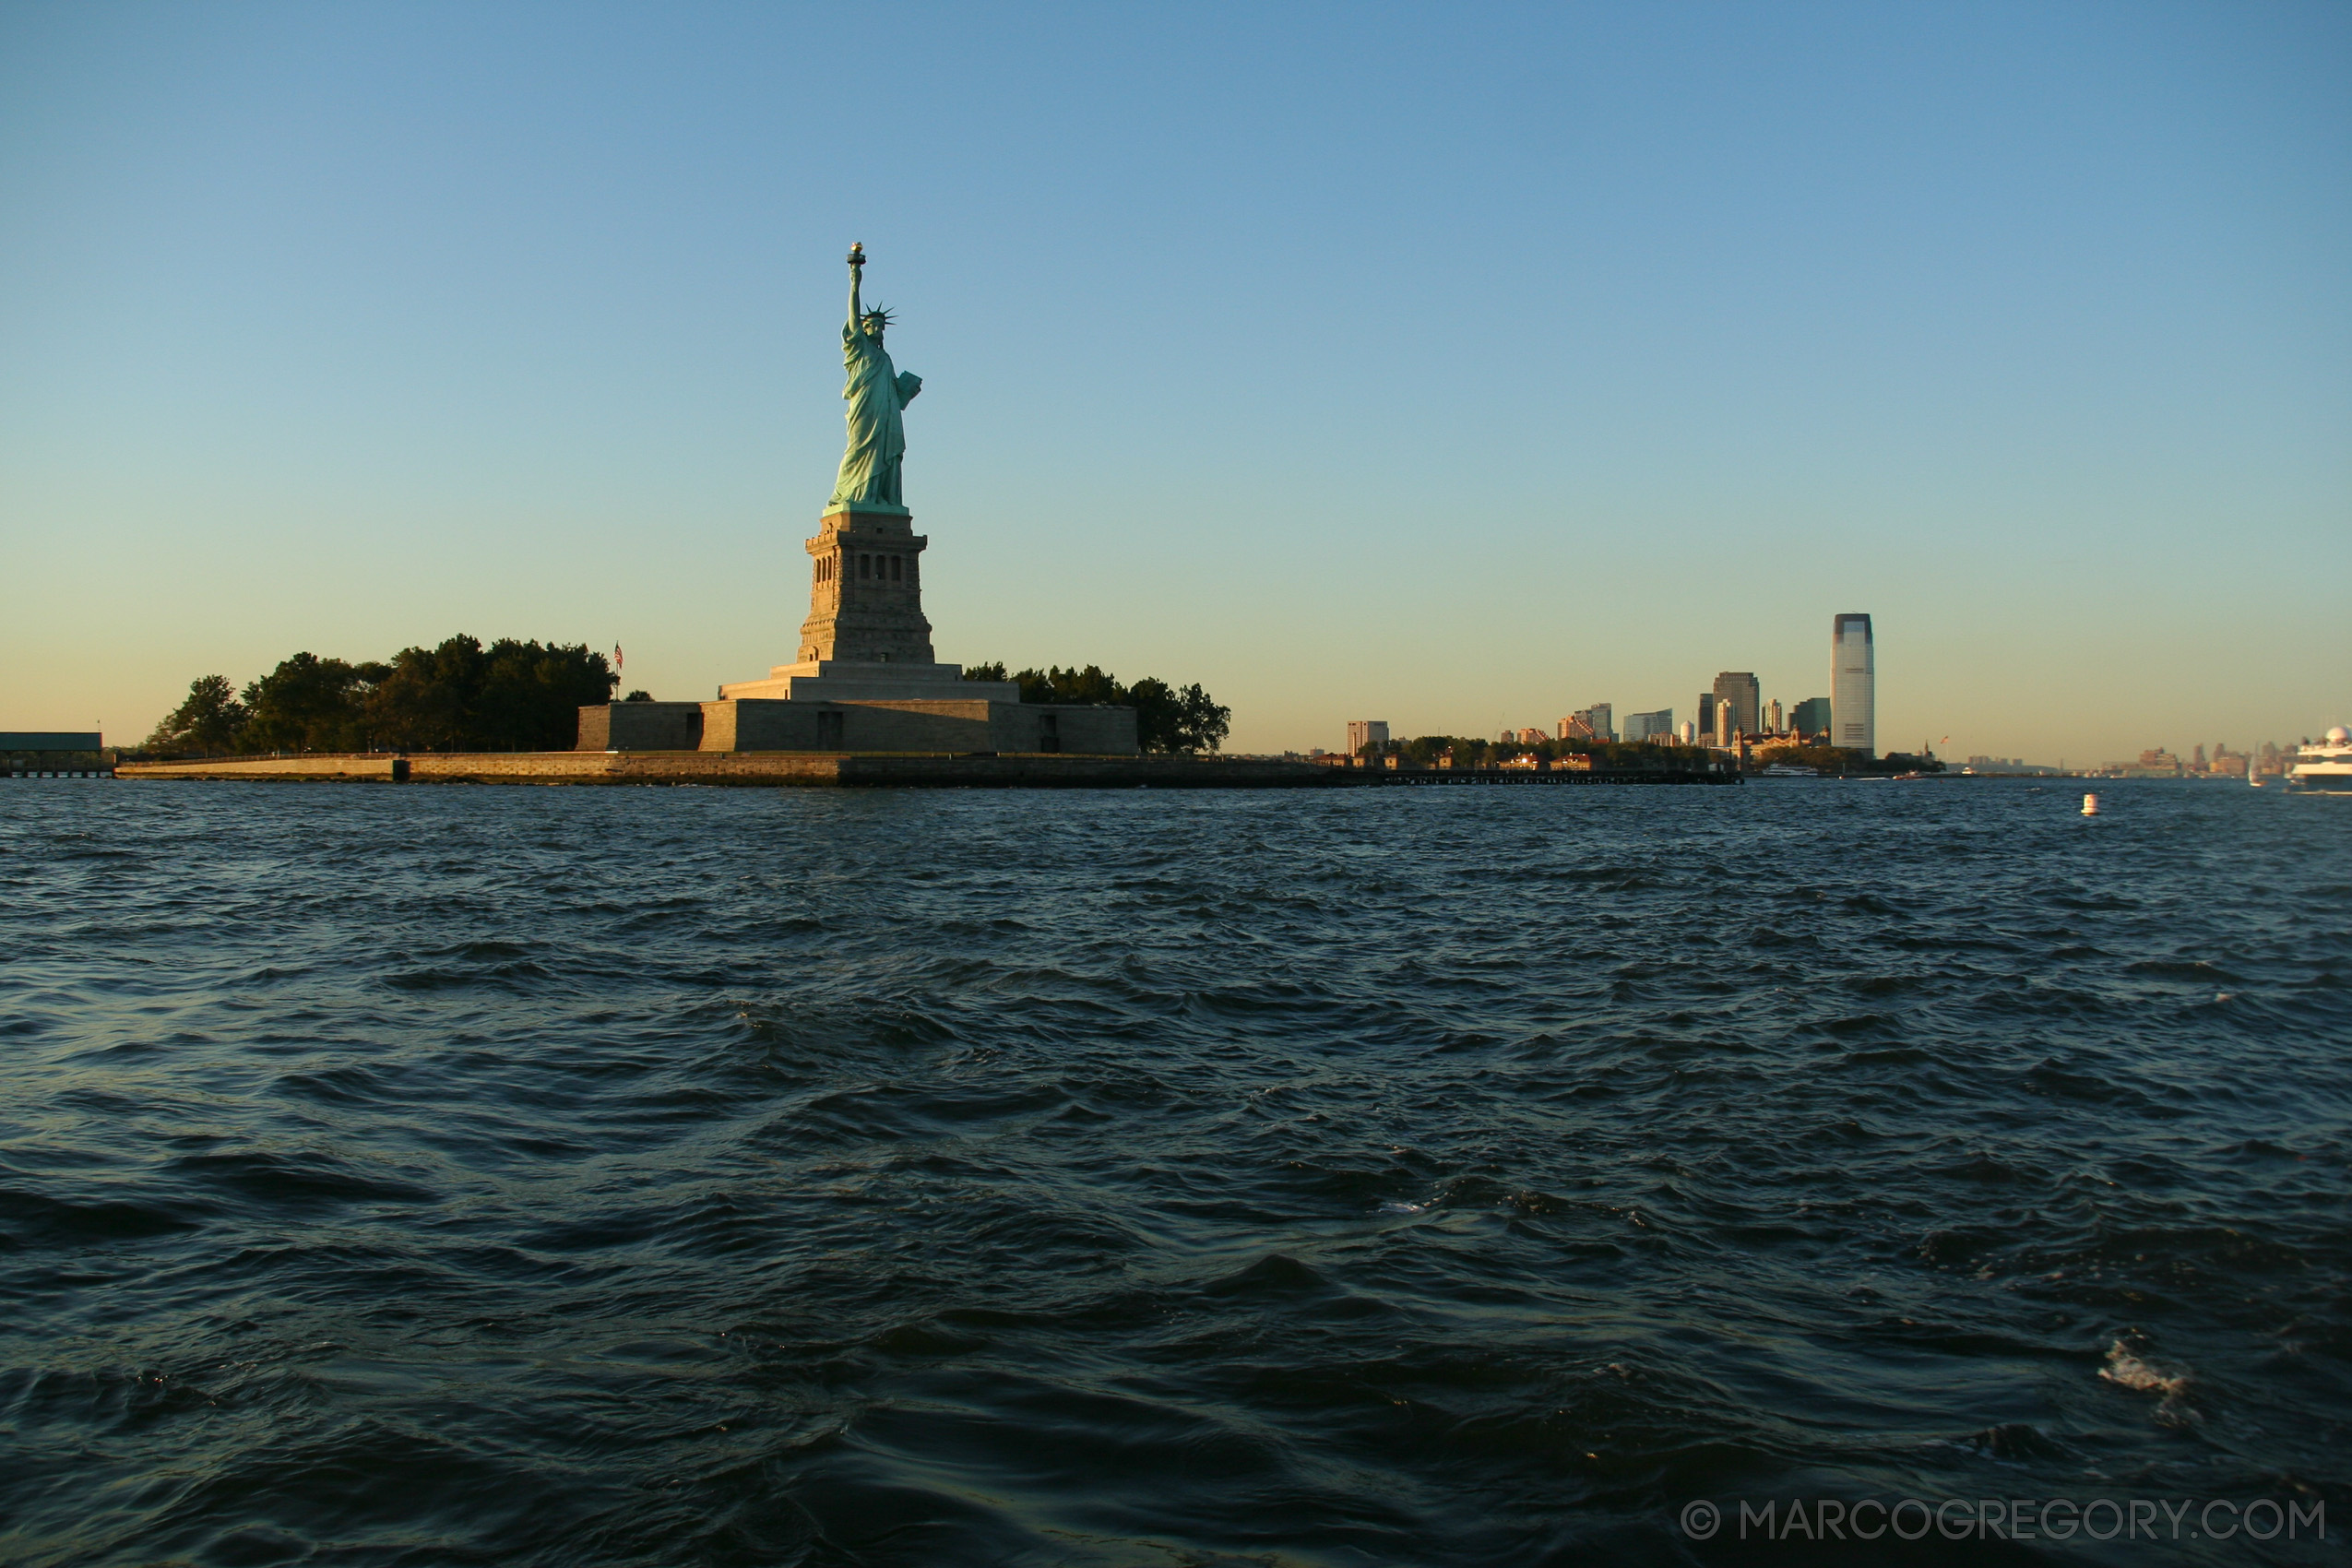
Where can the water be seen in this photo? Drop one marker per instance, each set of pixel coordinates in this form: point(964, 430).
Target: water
point(445, 1175)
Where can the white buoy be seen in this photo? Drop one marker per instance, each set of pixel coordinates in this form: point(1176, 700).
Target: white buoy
point(2090, 805)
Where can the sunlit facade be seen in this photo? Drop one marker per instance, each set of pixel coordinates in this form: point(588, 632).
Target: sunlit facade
point(1739, 691)
point(1594, 723)
point(1853, 684)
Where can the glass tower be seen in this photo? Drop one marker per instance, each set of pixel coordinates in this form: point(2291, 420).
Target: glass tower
point(1658, 725)
point(1853, 685)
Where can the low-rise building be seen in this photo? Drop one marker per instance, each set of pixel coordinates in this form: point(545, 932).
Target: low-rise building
point(35, 752)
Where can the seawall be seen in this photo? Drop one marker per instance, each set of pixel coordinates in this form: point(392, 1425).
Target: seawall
point(770, 769)
point(927, 770)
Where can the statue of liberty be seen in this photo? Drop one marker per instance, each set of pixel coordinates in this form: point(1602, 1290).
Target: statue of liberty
point(877, 394)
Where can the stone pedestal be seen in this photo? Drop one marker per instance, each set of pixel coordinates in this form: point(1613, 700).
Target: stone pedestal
point(866, 591)
point(866, 679)
point(865, 638)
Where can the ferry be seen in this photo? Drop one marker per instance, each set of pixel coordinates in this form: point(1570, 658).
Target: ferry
point(2324, 769)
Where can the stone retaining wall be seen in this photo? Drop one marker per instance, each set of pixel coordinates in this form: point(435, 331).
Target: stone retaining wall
point(954, 725)
point(771, 770)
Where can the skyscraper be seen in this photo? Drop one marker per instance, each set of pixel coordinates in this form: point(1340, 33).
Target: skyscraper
point(1811, 718)
point(1853, 684)
point(1706, 718)
point(1362, 733)
point(1738, 688)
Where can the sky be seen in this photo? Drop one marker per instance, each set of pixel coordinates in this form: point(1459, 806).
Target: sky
point(1456, 366)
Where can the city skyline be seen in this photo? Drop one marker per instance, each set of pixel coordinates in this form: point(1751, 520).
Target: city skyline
point(345, 330)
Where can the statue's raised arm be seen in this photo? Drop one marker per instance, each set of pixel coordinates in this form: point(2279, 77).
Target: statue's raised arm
point(857, 275)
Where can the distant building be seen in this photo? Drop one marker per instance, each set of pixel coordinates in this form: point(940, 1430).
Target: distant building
point(1811, 717)
point(14, 740)
point(1658, 725)
point(1594, 723)
point(52, 750)
point(1773, 723)
point(1362, 733)
point(1853, 684)
point(1738, 690)
point(1528, 737)
point(1706, 717)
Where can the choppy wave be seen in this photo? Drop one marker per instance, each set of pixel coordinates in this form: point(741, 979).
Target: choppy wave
point(398, 1176)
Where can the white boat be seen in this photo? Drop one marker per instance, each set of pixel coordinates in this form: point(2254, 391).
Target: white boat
point(2324, 769)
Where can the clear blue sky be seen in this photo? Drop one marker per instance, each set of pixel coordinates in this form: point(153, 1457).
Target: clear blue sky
point(1455, 365)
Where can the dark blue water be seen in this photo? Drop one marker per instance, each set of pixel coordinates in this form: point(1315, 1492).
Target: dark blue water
point(447, 1175)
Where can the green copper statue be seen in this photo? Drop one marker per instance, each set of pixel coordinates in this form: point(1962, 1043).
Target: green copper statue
point(877, 394)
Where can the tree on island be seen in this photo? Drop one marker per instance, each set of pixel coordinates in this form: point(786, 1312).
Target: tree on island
point(309, 703)
point(207, 723)
point(512, 696)
point(459, 696)
point(1168, 719)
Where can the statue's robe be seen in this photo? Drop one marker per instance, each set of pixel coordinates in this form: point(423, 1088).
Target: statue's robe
point(877, 394)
